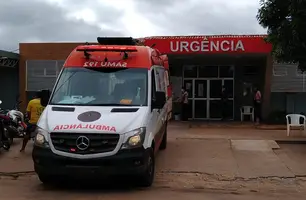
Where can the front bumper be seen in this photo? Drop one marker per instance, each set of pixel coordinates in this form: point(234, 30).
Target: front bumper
point(125, 162)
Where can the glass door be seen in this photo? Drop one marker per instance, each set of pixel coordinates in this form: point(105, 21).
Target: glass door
point(200, 99)
point(204, 85)
point(214, 100)
point(229, 86)
point(189, 85)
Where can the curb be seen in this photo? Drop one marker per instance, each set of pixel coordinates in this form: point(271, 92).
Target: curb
point(238, 127)
point(227, 125)
point(16, 174)
point(291, 141)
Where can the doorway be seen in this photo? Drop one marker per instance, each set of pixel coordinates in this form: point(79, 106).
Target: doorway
point(205, 96)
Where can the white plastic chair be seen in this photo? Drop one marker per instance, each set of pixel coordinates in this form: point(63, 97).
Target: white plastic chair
point(294, 120)
point(247, 111)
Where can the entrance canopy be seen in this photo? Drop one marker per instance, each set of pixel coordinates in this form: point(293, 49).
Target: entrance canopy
point(220, 44)
point(8, 59)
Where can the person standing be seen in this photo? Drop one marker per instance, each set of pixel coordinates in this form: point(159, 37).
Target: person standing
point(184, 105)
point(257, 105)
point(224, 99)
point(34, 110)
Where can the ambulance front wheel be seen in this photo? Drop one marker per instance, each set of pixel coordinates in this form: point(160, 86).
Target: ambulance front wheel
point(147, 177)
point(45, 179)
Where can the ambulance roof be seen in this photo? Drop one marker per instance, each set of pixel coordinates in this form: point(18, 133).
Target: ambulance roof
point(137, 56)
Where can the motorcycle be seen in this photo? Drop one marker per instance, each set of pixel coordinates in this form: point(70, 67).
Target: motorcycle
point(4, 134)
point(14, 122)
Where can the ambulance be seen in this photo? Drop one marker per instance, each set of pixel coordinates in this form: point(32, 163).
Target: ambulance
point(107, 114)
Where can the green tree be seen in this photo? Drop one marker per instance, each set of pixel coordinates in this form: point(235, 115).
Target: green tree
point(285, 21)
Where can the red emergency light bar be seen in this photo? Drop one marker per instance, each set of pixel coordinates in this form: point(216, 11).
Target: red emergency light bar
point(106, 48)
point(128, 41)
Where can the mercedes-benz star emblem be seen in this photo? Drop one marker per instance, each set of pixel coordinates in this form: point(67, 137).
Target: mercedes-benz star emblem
point(82, 143)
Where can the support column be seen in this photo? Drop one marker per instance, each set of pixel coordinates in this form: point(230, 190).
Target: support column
point(267, 87)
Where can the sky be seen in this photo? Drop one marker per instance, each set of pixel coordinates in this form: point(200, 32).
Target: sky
point(85, 20)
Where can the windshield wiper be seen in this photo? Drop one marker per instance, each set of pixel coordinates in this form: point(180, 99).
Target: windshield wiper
point(111, 104)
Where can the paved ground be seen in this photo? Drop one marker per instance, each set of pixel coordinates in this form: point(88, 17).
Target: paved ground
point(29, 189)
point(210, 163)
point(25, 189)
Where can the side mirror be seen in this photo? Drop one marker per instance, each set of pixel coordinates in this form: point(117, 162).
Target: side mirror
point(44, 97)
point(159, 101)
point(0, 102)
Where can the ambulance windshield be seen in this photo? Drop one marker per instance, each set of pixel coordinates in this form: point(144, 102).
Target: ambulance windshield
point(101, 87)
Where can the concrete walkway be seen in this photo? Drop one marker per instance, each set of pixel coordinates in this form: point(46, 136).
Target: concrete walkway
point(199, 156)
point(255, 158)
point(229, 159)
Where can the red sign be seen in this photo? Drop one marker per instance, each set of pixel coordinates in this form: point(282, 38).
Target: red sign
point(85, 126)
point(210, 44)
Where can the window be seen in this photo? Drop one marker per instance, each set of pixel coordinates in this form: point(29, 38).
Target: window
point(40, 74)
point(176, 70)
point(226, 71)
point(208, 71)
point(37, 72)
point(50, 71)
point(41, 68)
point(190, 71)
point(280, 70)
point(93, 87)
point(299, 72)
point(250, 70)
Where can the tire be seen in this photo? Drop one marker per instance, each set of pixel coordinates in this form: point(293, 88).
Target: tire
point(11, 140)
point(6, 146)
point(9, 136)
point(45, 179)
point(147, 178)
point(163, 144)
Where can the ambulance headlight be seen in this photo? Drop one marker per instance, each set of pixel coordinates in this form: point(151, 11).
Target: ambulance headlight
point(40, 138)
point(134, 139)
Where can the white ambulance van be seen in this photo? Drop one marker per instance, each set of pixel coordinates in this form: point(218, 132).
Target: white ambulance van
point(107, 114)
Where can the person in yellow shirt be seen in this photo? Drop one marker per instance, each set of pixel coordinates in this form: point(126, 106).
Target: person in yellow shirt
point(34, 110)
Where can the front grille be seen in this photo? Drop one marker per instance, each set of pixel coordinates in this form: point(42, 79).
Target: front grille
point(98, 143)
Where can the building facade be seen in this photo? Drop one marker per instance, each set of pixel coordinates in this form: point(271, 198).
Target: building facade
point(202, 64)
